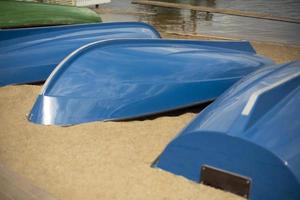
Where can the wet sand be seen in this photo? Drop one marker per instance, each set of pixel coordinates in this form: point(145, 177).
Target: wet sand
point(101, 160)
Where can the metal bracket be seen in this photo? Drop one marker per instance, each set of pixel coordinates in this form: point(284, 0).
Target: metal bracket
point(225, 180)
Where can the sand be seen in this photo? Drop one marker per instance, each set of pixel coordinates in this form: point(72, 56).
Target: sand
point(279, 53)
point(100, 160)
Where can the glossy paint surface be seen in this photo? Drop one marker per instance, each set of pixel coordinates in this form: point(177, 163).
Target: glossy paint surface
point(251, 130)
point(30, 54)
point(33, 14)
point(122, 79)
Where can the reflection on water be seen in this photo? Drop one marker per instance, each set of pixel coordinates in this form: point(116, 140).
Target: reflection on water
point(193, 22)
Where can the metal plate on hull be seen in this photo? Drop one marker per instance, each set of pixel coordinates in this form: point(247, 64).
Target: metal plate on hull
point(225, 180)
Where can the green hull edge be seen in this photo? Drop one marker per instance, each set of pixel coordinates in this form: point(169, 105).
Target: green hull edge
point(14, 14)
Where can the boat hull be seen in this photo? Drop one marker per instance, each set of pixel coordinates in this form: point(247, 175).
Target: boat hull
point(252, 130)
point(129, 78)
point(29, 55)
point(18, 14)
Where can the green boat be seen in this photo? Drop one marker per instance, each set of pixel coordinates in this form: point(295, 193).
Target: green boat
point(16, 14)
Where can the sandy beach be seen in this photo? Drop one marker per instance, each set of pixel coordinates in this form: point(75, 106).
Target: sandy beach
point(101, 160)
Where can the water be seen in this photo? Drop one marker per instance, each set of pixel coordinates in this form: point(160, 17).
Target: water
point(191, 22)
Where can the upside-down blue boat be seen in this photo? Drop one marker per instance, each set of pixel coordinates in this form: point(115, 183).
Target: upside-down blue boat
point(30, 54)
point(129, 78)
point(248, 140)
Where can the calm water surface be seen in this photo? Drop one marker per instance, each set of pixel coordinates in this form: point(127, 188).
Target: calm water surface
point(191, 22)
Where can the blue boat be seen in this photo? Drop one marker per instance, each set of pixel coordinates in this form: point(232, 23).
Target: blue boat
point(129, 78)
point(250, 135)
point(30, 54)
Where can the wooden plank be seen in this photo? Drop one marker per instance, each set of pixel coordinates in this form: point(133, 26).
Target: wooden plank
point(15, 187)
point(217, 10)
point(210, 37)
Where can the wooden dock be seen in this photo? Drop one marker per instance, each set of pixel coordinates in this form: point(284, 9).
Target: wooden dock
point(217, 10)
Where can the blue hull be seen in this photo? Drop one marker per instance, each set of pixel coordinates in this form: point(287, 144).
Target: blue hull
point(251, 130)
point(30, 54)
point(123, 79)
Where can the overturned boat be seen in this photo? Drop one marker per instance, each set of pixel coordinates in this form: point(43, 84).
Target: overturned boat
point(129, 78)
point(30, 54)
point(20, 14)
point(248, 140)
